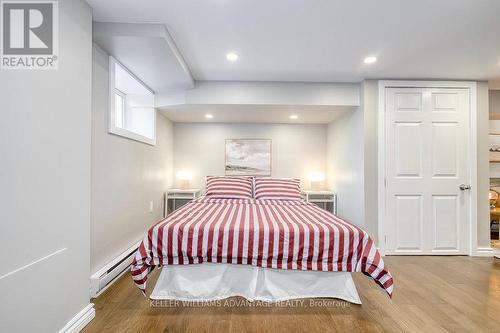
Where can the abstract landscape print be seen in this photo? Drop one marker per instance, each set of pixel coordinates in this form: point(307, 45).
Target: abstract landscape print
point(248, 157)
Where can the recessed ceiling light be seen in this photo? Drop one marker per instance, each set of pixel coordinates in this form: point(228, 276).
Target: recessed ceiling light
point(370, 60)
point(209, 116)
point(232, 56)
point(294, 117)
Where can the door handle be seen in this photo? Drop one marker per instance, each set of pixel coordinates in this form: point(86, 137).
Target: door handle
point(464, 187)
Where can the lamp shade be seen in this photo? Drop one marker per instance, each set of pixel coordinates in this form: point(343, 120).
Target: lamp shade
point(316, 179)
point(184, 175)
point(184, 178)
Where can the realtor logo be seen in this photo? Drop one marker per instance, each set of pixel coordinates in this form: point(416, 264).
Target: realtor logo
point(29, 35)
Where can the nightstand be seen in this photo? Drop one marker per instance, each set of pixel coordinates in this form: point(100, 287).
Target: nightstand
point(324, 199)
point(176, 198)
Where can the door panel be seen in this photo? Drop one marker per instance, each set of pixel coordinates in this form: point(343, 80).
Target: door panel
point(408, 141)
point(446, 222)
point(427, 133)
point(444, 150)
point(444, 101)
point(409, 228)
point(409, 102)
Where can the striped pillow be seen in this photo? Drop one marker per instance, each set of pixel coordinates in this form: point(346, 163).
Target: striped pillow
point(229, 187)
point(277, 188)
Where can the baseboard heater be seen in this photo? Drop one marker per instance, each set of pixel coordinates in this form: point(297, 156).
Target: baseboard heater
point(103, 278)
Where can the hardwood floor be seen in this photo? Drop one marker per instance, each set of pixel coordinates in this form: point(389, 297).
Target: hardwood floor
point(432, 294)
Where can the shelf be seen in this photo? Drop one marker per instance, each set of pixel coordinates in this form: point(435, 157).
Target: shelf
point(176, 190)
point(176, 198)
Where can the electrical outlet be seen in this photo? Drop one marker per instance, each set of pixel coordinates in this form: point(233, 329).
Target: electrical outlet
point(151, 207)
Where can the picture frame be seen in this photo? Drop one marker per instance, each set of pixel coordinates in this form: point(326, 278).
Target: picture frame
point(248, 157)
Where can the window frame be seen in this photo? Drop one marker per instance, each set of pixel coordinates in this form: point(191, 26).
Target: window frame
point(112, 128)
point(124, 105)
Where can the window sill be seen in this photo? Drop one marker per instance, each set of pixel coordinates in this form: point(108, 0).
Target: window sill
point(133, 136)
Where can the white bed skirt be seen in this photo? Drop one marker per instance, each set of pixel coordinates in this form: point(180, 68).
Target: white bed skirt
point(208, 282)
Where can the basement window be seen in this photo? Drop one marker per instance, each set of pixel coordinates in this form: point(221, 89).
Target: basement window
point(132, 112)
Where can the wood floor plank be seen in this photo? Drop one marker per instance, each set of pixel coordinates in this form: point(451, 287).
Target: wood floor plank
point(432, 294)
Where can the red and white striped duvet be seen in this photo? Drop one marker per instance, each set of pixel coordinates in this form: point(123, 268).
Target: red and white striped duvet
point(267, 233)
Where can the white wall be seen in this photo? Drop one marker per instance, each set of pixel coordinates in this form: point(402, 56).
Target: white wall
point(264, 93)
point(352, 160)
point(345, 165)
point(369, 105)
point(126, 176)
point(297, 150)
point(45, 133)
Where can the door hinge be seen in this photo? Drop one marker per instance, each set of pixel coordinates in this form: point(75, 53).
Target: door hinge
point(385, 182)
point(385, 239)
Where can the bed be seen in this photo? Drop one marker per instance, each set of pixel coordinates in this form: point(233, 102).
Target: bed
point(219, 247)
point(209, 282)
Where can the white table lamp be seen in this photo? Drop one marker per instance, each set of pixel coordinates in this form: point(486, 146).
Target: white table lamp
point(184, 178)
point(317, 179)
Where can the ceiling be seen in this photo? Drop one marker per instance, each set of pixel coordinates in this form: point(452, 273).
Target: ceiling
point(149, 59)
point(323, 40)
point(244, 113)
point(145, 51)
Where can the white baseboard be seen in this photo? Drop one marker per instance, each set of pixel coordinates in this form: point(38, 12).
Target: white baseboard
point(79, 321)
point(483, 252)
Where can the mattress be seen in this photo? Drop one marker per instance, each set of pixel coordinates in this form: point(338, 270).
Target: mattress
point(209, 282)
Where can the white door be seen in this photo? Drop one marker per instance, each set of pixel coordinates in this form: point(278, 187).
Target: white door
point(427, 133)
